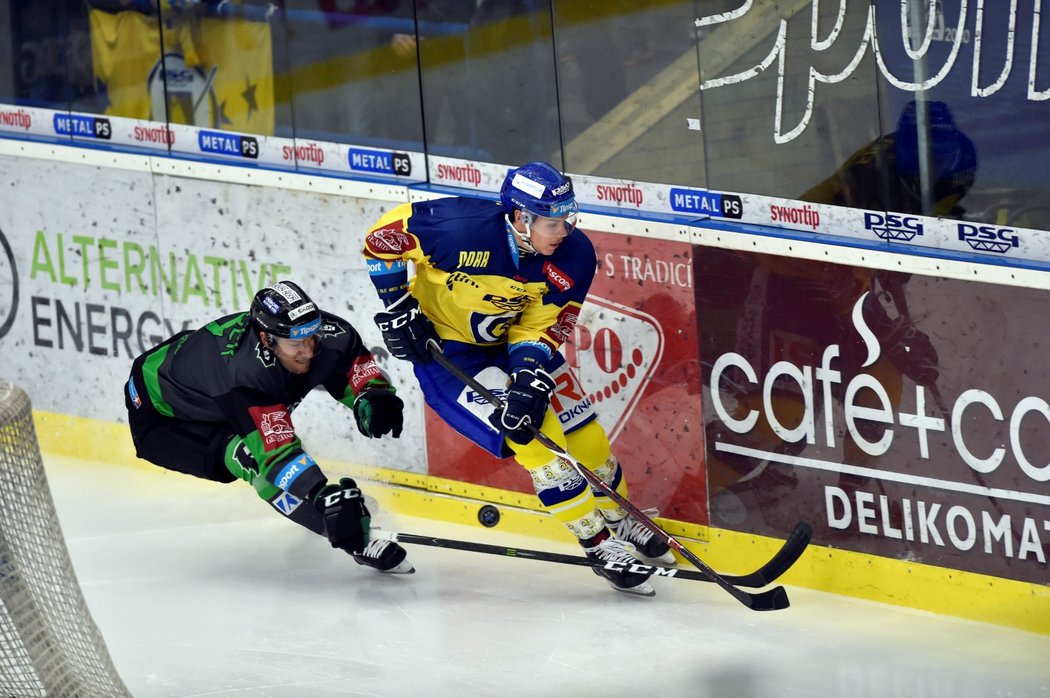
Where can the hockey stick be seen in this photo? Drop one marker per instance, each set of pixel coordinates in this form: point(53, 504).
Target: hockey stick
point(771, 600)
point(785, 557)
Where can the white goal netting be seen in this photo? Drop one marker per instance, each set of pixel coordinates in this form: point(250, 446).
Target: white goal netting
point(49, 645)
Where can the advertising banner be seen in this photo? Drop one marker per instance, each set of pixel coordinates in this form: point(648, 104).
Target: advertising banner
point(902, 416)
point(879, 229)
point(30, 122)
point(635, 352)
point(96, 267)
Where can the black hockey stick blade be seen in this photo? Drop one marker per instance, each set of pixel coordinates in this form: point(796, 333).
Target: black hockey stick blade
point(772, 600)
point(780, 563)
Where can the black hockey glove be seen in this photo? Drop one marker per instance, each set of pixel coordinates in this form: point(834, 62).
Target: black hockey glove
point(407, 331)
point(378, 411)
point(345, 515)
point(525, 404)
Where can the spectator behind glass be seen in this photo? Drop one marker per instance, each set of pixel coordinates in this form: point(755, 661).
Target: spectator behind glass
point(885, 174)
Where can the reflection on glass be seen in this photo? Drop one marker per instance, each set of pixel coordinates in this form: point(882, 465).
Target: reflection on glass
point(769, 127)
point(628, 85)
point(764, 294)
point(217, 66)
point(501, 101)
point(352, 72)
point(45, 60)
point(442, 47)
point(925, 166)
point(125, 55)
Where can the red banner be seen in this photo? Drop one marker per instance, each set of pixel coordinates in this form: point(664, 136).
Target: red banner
point(902, 416)
point(635, 352)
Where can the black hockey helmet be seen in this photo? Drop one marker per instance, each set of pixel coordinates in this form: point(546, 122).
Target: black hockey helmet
point(284, 310)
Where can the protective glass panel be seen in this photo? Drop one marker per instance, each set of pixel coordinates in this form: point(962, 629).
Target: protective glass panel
point(769, 126)
point(980, 81)
point(629, 89)
point(933, 107)
point(46, 59)
point(352, 73)
point(489, 81)
point(219, 66)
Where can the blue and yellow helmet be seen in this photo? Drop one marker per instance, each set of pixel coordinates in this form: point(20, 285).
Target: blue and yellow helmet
point(539, 189)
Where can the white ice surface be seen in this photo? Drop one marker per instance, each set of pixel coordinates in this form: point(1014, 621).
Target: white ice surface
point(201, 590)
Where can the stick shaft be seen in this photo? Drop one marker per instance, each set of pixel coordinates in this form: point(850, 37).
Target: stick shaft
point(759, 578)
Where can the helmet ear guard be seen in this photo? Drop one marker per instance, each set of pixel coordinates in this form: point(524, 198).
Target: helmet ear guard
point(527, 218)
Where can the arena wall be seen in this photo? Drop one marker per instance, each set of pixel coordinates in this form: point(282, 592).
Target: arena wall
point(713, 351)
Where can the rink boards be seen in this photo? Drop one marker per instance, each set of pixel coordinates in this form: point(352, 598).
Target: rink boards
point(748, 379)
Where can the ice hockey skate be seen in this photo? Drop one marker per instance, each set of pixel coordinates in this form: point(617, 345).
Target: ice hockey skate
point(648, 547)
point(386, 556)
point(605, 548)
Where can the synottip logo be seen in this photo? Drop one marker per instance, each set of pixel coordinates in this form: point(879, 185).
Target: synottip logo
point(8, 287)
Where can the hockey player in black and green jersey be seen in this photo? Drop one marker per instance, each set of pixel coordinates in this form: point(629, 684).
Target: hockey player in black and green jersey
point(217, 402)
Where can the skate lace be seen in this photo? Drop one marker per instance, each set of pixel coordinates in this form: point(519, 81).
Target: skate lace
point(635, 531)
point(613, 550)
point(375, 548)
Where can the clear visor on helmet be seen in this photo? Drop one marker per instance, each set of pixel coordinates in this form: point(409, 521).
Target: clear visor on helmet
point(297, 347)
point(566, 213)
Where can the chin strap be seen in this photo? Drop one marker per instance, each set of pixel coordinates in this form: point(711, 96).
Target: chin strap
point(524, 240)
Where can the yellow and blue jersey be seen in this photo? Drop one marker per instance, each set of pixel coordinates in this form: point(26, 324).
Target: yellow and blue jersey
point(472, 281)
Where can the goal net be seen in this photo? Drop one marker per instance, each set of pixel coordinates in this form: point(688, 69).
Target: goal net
point(49, 645)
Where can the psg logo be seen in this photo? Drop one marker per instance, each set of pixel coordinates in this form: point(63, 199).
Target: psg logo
point(188, 91)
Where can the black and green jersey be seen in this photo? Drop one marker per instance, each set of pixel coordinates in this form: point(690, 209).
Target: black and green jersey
point(223, 373)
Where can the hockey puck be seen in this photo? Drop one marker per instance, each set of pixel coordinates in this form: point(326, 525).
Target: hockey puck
point(488, 515)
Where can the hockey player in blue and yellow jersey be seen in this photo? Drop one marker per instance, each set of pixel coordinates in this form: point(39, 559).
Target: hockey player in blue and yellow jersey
point(498, 287)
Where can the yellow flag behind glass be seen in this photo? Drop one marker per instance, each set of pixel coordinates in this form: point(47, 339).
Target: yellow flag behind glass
point(218, 71)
